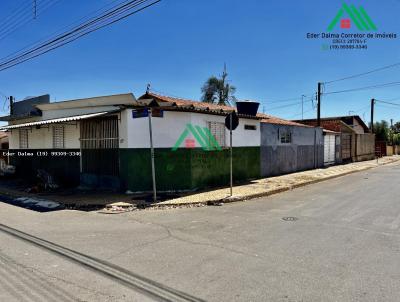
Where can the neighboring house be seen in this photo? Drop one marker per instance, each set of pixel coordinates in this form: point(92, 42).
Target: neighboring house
point(357, 143)
point(288, 146)
point(103, 142)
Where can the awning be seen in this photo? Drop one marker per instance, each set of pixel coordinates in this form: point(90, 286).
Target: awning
point(58, 120)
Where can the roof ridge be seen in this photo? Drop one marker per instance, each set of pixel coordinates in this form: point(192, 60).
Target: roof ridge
point(188, 100)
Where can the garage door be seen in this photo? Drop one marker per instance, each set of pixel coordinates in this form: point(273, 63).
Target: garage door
point(329, 149)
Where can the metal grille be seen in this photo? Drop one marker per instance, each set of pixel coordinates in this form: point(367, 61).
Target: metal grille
point(100, 146)
point(23, 139)
point(99, 134)
point(218, 131)
point(58, 136)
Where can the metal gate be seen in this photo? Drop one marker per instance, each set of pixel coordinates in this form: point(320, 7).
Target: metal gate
point(329, 149)
point(346, 147)
point(100, 146)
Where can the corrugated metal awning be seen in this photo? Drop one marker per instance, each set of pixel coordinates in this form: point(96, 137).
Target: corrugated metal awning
point(58, 120)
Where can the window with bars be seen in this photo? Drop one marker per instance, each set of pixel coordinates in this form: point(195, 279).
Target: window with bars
point(58, 136)
point(218, 131)
point(23, 139)
point(286, 136)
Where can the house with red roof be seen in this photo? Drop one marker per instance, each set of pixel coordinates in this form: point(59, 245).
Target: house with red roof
point(104, 142)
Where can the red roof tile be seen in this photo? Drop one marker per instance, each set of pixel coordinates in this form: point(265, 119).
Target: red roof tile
point(269, 119)
point(333, 125)
point(203, 105)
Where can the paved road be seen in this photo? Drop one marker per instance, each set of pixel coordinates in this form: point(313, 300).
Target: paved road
point(344, 246)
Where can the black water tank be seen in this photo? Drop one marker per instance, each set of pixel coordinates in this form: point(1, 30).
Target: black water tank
point(247, 107)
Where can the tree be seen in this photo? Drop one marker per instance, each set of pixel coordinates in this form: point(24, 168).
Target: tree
point(396, 127)
point(217, 90)
point(381, 130)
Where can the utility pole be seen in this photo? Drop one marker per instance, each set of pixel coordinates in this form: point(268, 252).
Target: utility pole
point(302, 106)
point(372, 115)
point(319, 105)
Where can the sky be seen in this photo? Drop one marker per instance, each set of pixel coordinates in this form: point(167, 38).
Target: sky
point(176, 45)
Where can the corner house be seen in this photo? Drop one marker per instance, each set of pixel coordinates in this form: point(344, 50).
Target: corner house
point(104, 142)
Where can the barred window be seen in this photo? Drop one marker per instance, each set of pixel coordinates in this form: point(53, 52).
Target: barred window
point(23, 139)
point(58, 136)
point(286, 136)
point(250, 127)
point(218, 131)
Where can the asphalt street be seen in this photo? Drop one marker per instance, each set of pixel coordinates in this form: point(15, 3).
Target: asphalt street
point(337, 240)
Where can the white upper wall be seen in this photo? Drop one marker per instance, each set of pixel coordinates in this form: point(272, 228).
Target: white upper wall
point(134, 133)
point(43, 138)
point(168, 129)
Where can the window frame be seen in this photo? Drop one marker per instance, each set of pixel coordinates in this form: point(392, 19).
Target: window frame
point(285, 136)
point(25, 141)
point(220, 137)
point(250, 127)
point(55, 136)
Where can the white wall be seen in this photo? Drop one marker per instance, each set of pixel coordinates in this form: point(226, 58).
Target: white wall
point(167, 130)
point(134, 133)
point(43, 138)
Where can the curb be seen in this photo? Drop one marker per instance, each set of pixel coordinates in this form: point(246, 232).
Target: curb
point(263, 194)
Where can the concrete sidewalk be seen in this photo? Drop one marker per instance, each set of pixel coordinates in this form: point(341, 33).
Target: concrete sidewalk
point(273, 185)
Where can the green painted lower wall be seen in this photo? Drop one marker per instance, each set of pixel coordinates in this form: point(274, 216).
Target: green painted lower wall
point(186, 169)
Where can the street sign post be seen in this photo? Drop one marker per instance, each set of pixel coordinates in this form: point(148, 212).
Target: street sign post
point(153, 170)
point(231, 122)
point(150, 112)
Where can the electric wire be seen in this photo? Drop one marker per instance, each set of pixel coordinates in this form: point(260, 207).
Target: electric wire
point(111, 16)
point(59, 31)
point(41, 7)
point(364, 88)
point(363, 73)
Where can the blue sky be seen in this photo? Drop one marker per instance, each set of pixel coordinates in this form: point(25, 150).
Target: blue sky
point(176, 44)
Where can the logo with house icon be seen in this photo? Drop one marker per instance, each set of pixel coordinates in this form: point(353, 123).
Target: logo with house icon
point(349, 16)
point(201, 135)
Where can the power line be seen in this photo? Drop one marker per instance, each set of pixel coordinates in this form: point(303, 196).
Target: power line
point(15, 13)
point(363, 108)
point(288, 105)
point(59, 31)
point(390, 107)
point(111, 16)
point(288, 99)
point(298, 114)
point(364, 73)
point(283, 100)
point(385, 102)
point(364, 88)
point(17, 17)
point(18, 23)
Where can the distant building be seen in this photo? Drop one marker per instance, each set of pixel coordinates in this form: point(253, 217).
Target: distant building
point(357, 142)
